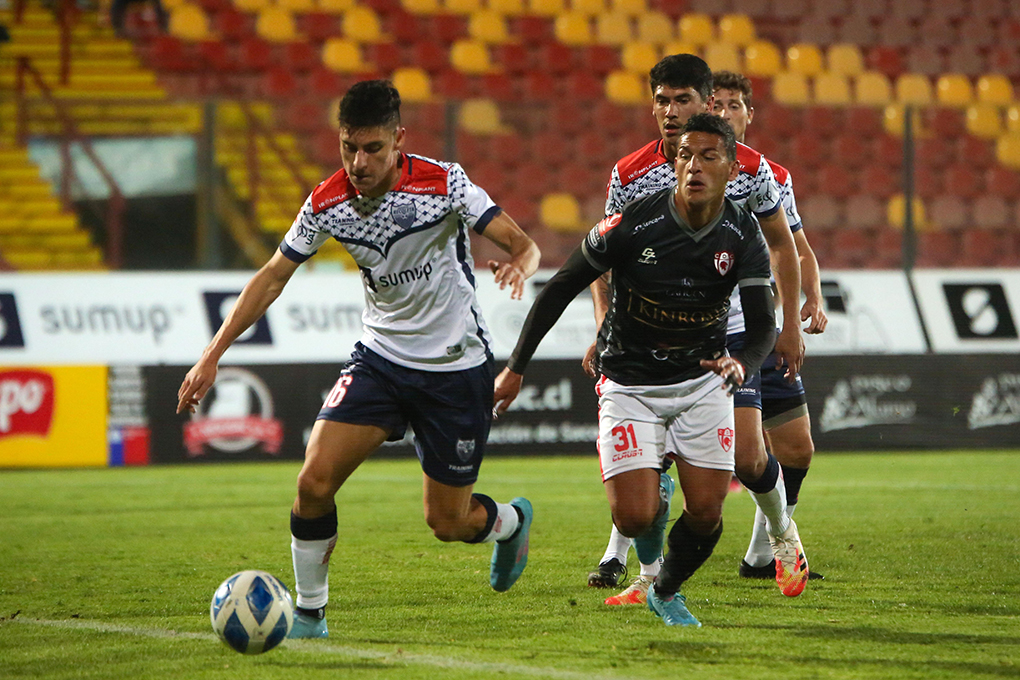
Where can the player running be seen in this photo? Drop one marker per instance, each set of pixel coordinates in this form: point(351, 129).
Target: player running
point(682, 86)
point(676, 255)
point(785, 418)
point(424, 359)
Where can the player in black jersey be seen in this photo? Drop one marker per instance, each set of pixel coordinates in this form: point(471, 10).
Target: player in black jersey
point(676, 256)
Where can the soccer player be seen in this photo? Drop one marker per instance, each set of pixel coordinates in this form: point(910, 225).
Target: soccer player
point(424, 359)
point(681, 86)
point(676, 256)
point(783, 405)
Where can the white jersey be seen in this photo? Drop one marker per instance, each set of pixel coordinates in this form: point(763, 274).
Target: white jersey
point(413, 250)
point(647, 170)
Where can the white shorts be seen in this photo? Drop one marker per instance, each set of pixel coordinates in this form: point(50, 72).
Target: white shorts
point(639, 424)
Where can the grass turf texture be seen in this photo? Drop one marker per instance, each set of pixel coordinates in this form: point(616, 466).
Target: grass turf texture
point(110, 573)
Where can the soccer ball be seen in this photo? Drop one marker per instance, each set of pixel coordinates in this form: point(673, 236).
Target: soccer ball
point(252, 612)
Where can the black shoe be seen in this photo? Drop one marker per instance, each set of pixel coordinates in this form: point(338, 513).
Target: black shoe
point(768, 572)
point(611, 574)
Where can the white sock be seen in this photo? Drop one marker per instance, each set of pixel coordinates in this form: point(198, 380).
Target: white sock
point(507, 521)
point(773, 505)
point(650, 571)
point(619, 547)
point(759, 550)
point(311, 571)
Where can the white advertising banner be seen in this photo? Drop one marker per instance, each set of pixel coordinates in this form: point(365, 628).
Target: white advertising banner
point(970, 310)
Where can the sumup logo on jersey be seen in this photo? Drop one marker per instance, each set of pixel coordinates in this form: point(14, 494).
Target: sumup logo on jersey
point(235, 416)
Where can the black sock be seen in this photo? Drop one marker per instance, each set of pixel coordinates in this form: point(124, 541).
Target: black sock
point(318, 529)
point(768, 478)
point(491, 512)
point(687, 552)
point(793, 477)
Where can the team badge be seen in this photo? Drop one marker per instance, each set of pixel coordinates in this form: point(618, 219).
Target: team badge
point(725, 438)
point(403, 214)
point(597, 236)
point(723, 262)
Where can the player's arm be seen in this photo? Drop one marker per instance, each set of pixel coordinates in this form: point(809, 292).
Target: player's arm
point(572, 278)
point(783, 250)
point(811, 284)
point(524, 254)
point(258, 294)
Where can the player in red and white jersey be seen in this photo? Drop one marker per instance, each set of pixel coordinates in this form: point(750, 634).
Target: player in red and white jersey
point(681, 86)
point(783, 405)
point(424, 359)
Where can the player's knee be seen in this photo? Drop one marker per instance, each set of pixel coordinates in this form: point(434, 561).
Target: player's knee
point(314, 488)
point(798, 453)
point(702, 520)
point(633, 523)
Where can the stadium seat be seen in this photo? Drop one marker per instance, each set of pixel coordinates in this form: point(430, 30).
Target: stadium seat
point(894, 120)
point(938, 248)
point(857, 31)
point(854, 248)
point(343, 56)
point(814, 30)
point(932, 150)
point(762, 58)
point(300, 56)
point(189, 22)
point(896, 212)
point(991, 212)
point(928, 182)
point(654, 27)
point(845, 59)
point(915, 89)
point(804, 58)
point(821, 211)
point(1005, 60)
point(591, 8)
point(863, 211)
point(679, 47)
point(1003, 182)
point(984, 120)
point(336, 6)
point(255, 54)
point(986, 248)
point(276, 25)
point(362, 25)
point(950, 213)
point(561, 212)
point(881, 181)
point(863, 122)
point(925, 60)
point(572, 28)
point(872, 88)
point(822, 121)
point(584, 86)
point(598, 60)
point(232, 25)
point(1013, 119)
point(639, 57)
point(994, 88)
point(791, 89)
point(696, 29)
point(1007, 150)
point(633, 8)
point(480, 117)
point(511, 58)
point(850, 150)
point(977, 31)
point(507, 8)
point(546, 8)
point(462, 6)
point(613, 29)
point(413, 84)
point(832, 89)
point(297, 6)
point(722, 56)
point(625, 87)
point(886, 60)
point(809, 150)
point(945, 122)
point(736, 29)
point(488, 27)
point(278, 83)
point(896, 32)
point(954, 90)
point(470, 57)
point(937, 31)
point(254, 6)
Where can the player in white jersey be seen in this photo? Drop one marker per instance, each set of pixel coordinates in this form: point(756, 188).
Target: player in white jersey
point(681, 86)
point(783, 405)
point(424, 359)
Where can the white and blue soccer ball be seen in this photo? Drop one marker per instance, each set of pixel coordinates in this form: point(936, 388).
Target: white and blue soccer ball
point(252, 612)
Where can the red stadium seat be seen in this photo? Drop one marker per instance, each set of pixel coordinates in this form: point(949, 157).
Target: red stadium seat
point(987, 248)
point(384, 56)
point(816, 31)
point(215, 56)
point(508, 150)
point(300, 57)
point(991, 212)
point(532, 180)
point(937, 31)
point(823, 121)
point(609, 118)
point(279, 83)
point(539, 86)
point(318, 26)
point(864, 123)
point(947, 123)
point(232, 25)
point(851, 150)
point(949, 212)
point(925, 60)
point(430, 56)
point(810, 150)
point(977, 31)
point(864, 210)
point(835, 180)
point(937, 248)
point(168, 54)
point(498, 86)
point(255, 54)
point(453, 84)
point(908, 9)
point(304, 116)
point(888, 248)
point(533, 30)
point(555, 58)
point(961, 179)
point(880, 181)
point(932, 152)
point(405, 27)
point(886, 60)
point(583, 86)
point(857, 30)
point(1003, 182)
point(783, 121)
point(512, 58)
point(447, 28)
point(974, 151)
point(927, 182)
point(869, 9)
point(599, 59)
point(966, 59)
point(325, 83)
point(853, 247)
point(896, 32)
point(821, 213)
point(890, 150)
point(1005, 60)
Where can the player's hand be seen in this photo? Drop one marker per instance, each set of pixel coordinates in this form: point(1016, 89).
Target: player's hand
point(790, 351)
point(509, 274)
point(727, 368)
point(812, 310)
point(508, 386)
point(588, 362)
point(196, 383)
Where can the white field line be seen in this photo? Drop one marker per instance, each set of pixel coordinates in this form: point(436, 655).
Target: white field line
point(399, 657)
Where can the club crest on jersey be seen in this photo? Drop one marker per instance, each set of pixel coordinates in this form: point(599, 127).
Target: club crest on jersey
point(725, 438)
point(723, 262)
point(403, 214)
point(597, 236)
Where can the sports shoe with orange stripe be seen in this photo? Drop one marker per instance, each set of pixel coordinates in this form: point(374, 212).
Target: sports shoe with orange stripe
point(791, 562)
point(636, 593)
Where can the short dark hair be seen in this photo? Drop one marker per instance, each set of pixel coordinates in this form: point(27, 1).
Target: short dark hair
point(680, 71)
point(370, 103)
point(714, 125)
point(738, 82)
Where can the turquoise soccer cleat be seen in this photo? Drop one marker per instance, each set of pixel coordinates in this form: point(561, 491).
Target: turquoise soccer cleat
point(672, 611)
point(649, 544)
point(308, 627)
point(509, 557)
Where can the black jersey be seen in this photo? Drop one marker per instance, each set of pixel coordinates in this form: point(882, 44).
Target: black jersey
point(671, 287)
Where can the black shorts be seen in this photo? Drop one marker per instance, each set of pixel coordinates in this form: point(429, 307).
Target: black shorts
point(450, 412)
point(778, 400)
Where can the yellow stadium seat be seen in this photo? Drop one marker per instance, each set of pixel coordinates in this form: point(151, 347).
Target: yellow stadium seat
point(791, 88)
point(470, 56)
point(983, 120)
point(462, 6)
point(1013, 119)
point(413, 84)
point(624, 87)
point(298, 6)
point(696, 29)
point(832, 89)
point(590, 8)
point(1007, 150)
point(362, 25)
point(737, 29)
point(994, 88)
point(634, 8)
point(573, 29)
point(894, 117)
point(508, 8)
point(336, 6)
point(479, 117)
point(488, 27)
point(679, 47)
point(426, 7)
point(845, 59)
point(804, 58)
point(189, 22)
point(251, 5)
point(872, 88)
point(639, 57)
point(655, 27)
point(723, 56)
point(953, 89)
point(896, 212)
point(560, 212)
point(613, 29)
point(276, 24)
point(762, 58)
point(343, 56)
point(173, 4)
point(913, 88)
point(546, 8)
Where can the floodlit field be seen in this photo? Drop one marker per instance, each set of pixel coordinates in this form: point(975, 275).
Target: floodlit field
point(109, 573)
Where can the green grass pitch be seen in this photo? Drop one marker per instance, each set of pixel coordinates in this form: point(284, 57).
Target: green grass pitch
point(109, 573)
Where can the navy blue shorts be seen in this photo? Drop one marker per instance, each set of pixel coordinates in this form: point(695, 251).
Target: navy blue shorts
point(449, 412)
point(767, 390)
